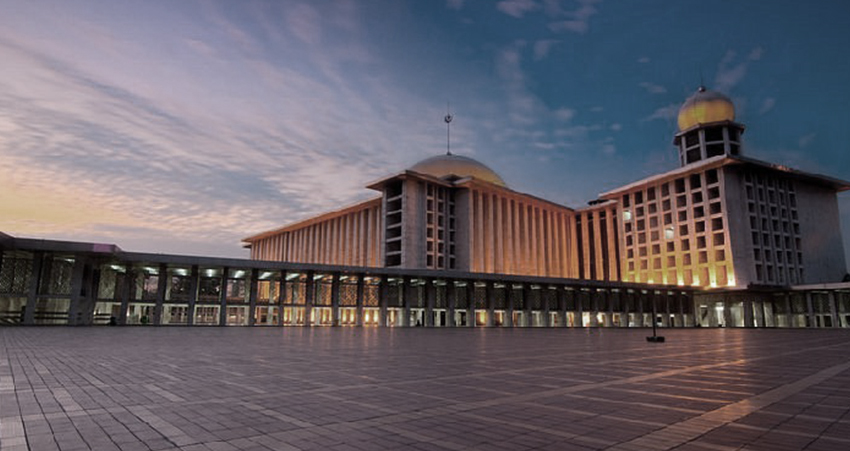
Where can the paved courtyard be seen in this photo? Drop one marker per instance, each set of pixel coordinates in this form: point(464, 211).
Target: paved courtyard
point(198, 389)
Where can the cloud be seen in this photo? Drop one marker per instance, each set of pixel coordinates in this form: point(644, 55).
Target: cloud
point(576, 21)
point(616, 127)
point(666, 113)
point(304, 22)
point(806, 140)
point(730, 73)
point(643, 60)
point(652, 88)
point(542, 48)
point(767, 105)
point(565, 114)
point(200, 158)
point(454, 4)
point(516, 8)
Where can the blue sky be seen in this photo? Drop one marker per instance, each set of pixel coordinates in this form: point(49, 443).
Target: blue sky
point(184, 126)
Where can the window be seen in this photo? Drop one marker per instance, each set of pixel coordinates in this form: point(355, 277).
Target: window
point(711, 176)
point(714, 134)
point(695, 181)
point(696, 197)
point(680, 186)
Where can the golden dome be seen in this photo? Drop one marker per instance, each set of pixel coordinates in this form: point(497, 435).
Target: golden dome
point(456, 166)
point(705, 107)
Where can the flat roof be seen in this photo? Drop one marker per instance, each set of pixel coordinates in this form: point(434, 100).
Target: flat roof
point(724, 160)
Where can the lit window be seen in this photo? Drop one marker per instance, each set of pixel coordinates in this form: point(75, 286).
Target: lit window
point(627, 215)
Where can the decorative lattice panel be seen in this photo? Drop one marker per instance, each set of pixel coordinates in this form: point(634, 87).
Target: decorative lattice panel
point(348, 294)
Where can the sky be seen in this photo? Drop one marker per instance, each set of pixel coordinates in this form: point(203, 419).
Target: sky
point(185, 126)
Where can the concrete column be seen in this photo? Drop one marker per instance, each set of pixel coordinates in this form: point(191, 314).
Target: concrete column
point(727, 312)
point(578, 295)
point(193, 295)
point(488, 295)
point(562, 305)
point(281, 298)
point(451, 300)
point(77, 281)
point(789, 316)
point(509, 305)
point(308, 298)
point(544, 298)
point(509, 239)
point(32, 290)
point(470, 303)
point(833, 309)
point(625, 299)
point(335, 299)
point(747, 305)
point(405, 301)
point(498, 236)
point(810, 311)
point(758, 312)
point(527, 304)
point(664, 308)
point(519, 262)
point(161, 286)
point(383, 301)
point(252, 296)
point(126, 294)
point(489, 236)
point(222, 298)
point(361, 289)
point(594, 306)
point(605, 297)
point(430, 295)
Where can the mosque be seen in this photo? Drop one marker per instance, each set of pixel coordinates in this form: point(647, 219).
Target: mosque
point(719, 220)
point(721, 240)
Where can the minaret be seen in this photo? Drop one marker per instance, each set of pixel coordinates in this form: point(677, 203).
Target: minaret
point(707, 128)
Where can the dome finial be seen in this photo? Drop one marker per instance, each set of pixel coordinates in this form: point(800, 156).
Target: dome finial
point(448, 120)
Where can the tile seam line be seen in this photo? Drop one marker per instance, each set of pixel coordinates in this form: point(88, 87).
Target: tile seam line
point(722, 416)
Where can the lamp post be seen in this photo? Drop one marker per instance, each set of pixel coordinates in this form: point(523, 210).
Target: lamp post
point(655, 338)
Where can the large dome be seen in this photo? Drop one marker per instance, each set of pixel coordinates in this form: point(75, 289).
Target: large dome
point(444, 166)
point(705, 107)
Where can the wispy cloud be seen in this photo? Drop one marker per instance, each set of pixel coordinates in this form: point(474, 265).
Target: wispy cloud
point(455, 4)
point(767, 105)
point(577, 20)
point(806, 140)
point(652, 88)
point(666, 113)
point(85, 152)
point(731, 70)
point(516, 8)
point(543, 47)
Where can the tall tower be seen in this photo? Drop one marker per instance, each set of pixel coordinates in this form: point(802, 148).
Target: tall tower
point(707, 128)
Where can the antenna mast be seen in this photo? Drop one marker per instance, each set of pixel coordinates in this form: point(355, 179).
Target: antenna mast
point(448, 120)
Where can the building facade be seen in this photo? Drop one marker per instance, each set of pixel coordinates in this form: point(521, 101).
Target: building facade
point(720, 220)
point(722, 240)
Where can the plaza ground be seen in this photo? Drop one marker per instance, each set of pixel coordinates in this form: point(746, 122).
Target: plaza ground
point(217, 389)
